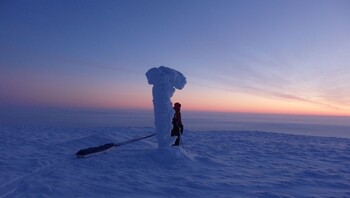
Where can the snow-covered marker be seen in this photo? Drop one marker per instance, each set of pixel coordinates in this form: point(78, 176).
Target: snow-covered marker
point(164, 80)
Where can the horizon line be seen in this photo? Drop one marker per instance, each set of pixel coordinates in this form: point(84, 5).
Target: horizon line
point(115, 109)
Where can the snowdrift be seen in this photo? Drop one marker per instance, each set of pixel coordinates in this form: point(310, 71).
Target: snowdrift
point(41, 162)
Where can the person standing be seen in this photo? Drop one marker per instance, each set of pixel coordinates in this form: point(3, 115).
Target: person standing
point(177, 124)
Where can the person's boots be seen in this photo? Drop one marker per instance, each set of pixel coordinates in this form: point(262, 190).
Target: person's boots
point(177, 141)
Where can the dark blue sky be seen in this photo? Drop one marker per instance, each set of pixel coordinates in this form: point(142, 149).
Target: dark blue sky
point(253, 56)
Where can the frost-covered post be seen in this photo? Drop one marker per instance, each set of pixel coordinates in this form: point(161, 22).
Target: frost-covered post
point(164, 81)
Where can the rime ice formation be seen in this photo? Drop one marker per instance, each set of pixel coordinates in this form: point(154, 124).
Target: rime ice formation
point(164, 81)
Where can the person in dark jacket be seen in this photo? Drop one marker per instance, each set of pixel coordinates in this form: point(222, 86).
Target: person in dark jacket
point(177, 124)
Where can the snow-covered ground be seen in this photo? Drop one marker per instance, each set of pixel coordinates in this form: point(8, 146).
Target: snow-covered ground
point(37, 160)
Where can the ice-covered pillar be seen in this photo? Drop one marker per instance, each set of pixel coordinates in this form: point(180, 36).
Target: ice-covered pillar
point(164, 81)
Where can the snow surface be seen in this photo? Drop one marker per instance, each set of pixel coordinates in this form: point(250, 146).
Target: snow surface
point(164, 81)
point(39, 161)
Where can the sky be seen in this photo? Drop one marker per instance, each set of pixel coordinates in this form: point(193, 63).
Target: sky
point(284, 57)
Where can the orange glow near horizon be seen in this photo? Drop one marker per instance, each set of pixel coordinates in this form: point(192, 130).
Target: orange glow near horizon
point(210, 104)
point(135, 96)
point(246, 103)
point(260, 110)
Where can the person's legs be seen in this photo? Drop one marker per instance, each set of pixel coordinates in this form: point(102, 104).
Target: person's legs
point(177, 141)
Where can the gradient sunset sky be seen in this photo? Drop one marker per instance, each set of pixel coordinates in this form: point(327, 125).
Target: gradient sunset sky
point(238, 56)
